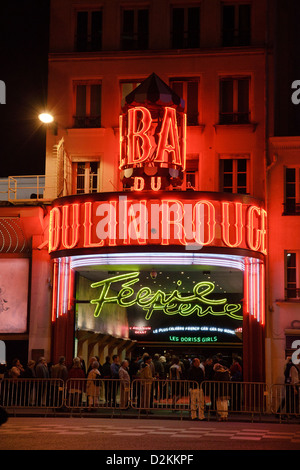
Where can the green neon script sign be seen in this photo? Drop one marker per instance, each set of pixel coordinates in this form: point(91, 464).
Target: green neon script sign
point(172, 303)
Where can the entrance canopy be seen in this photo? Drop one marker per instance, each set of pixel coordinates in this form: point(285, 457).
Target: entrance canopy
point(190, 299)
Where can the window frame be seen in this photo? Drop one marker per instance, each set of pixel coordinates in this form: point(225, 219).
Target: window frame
point(185, 81)
point(89, 36)
point(235, 173)
point(236, 39)
point(88, 188)
point(87, 118)
point(295, 290)
point(235, 116)
point(135, 82)
point(186, 29)
point(192, 168)
point(294, 208)
point(136, 38)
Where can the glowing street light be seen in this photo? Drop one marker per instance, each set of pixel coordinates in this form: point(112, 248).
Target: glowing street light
point(46, 118)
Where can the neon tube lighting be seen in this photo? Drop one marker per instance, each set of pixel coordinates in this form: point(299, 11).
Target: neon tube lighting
point(236, 262)
point(254, 274)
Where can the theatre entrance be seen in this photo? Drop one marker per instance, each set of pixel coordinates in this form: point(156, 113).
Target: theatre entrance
point(181, 304)
point(180, 310)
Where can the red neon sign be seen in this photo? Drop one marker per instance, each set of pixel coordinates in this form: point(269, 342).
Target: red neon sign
point(236, 224)
point(141, 143)
point(118, 220)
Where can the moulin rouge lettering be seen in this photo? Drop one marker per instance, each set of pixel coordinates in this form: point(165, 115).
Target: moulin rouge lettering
point(173, 303)
point(168, 221)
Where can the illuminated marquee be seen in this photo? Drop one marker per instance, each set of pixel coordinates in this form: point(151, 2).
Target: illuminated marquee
point(146, 144)
point(173, 303)
point(152, 143)
point(98, 221)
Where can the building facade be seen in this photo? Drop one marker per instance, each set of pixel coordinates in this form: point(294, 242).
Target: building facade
point(158, 230)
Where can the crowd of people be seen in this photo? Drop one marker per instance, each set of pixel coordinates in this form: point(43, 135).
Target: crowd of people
point(161, 376)
point(81, 378)
point(161, 366)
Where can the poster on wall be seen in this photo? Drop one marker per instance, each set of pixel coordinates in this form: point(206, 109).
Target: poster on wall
point(14, 295)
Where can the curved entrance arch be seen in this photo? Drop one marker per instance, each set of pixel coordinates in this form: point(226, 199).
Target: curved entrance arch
point(251, 269)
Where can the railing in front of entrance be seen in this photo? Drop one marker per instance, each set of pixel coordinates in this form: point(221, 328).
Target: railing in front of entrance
point(184, 397)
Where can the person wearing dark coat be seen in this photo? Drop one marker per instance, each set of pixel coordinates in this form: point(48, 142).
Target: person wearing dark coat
point(106, 374)
point(196, 377)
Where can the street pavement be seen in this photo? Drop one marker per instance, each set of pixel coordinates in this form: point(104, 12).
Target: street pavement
point(172, 436)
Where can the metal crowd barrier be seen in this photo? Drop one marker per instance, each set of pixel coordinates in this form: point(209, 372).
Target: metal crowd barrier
point(222, 398)
point(38, 393)
point(285, 400)
point(140, 395)
point(173, 395)
point(90, 395)
point(143, 396)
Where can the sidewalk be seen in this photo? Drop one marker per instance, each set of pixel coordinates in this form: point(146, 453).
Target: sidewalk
point(131, 413)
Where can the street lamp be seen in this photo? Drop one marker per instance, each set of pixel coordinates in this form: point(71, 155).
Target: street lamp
point(47, 118)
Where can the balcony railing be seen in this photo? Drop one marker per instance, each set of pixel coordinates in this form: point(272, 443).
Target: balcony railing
point(234, 118)
point(87, 121)
point(22, 188)
point(292, 293)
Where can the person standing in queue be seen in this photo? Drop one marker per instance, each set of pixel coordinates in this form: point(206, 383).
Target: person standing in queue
point(93, 386)
point(115, 366)
point(42, 384)
point(196, 377)
point(124, 384)
point(222, 377)
point(146, 385)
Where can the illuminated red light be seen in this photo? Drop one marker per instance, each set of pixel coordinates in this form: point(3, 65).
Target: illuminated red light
point(236, 224)
point(168, 142)
point(167, 221)
point(140, 143)
point(54, 289)
point(73, 229)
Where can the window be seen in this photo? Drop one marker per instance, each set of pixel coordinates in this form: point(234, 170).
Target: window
point(292, 191)
point(234, 100)
point(135, 29)
point(185, 32)
point(87, 105)
point(236, 24)
point(234, 174)
point(191, 174)
point(188, 90)
point(86, 177)
point(88, 31)
point(127, 87)
point(292, 263)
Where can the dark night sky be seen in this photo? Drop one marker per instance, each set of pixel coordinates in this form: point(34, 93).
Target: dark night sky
point(24, 31)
